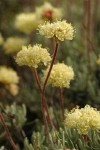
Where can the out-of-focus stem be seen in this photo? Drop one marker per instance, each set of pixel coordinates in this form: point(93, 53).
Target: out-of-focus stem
point(8, 133)
point(61, 101)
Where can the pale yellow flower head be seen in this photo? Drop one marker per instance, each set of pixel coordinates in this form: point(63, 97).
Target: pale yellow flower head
point(48, 12)
point(8, 76)
point(60, 76)
point(98, 61)
point(26, 22)
point(14, 44)
point(33, 56)
point(83, 119)
point(1, 39)
point(60, 30)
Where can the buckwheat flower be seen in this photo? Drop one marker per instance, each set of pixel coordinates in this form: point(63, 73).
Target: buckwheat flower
point(60, 76)
point(14, 44)
point(1, 39)
point(98, 61)
point(83, 119)
point(8, 76)
point(60, 30)
point(48, 12)
point(33, 56)
point(26, 22)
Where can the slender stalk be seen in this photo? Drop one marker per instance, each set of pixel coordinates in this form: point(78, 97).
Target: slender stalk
point(45, 83)
point(8, 133)
point(61, 101)
point(53, 59)
point(45, 103)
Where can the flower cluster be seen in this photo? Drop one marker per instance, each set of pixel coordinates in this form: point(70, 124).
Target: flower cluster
point(10, 79)
point(14, 44)
point(26, 22)
point(83, 119)
point(60, 30)
point(98, 61)
point(60, 76)
point(8, 75)
point(33, 56)
point(1, 39)
point(48, 12)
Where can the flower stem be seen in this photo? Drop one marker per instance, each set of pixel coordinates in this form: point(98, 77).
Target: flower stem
point(61, 101)
point(8, 133)
point(45, 103)
point(45, 82)
point(47, 77)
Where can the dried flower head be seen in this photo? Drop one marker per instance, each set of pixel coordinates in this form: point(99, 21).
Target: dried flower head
point(26, 22)
point(48, 12)
point(98, 61)
point(14, 44)
point(60, 30)
point(33, 56)
point(83, 119)
point(8, 75)
point(1, 39)
point(60, 76)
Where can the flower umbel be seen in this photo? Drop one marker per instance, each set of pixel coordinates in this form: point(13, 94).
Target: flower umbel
point(14, 44)
point(33, 56)
point(48, 12)
point(60, 30)
point(60, 76)
point(26, 22)
point(83, 119)
point(8, 75)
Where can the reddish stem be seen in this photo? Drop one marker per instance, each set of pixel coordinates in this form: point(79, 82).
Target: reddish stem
point(47, 77)
point(8, 133)
point(61, 101)
point(45, 103)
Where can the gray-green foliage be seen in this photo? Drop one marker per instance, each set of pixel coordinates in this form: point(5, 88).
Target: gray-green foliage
point(19, 113)
point(64, 138)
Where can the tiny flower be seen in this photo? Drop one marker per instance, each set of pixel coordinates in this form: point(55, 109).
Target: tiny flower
point(98, 61)
point(83, 119)
point(33, 56)
point(60, 30)
point(1, 39)
point(14, 44)
point(8, 76)
point(48, 12)
point(26, 22)
point(60, 76)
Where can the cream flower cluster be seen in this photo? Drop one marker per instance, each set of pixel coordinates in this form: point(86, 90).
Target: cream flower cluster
point(83, 119)
point(14, 44)
point(1, 39)
point(26, 22)
point(8, 75)
point(33, 56)
point(60, 76)
point(48, 12)
point(61, 30)
point(98, 61)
